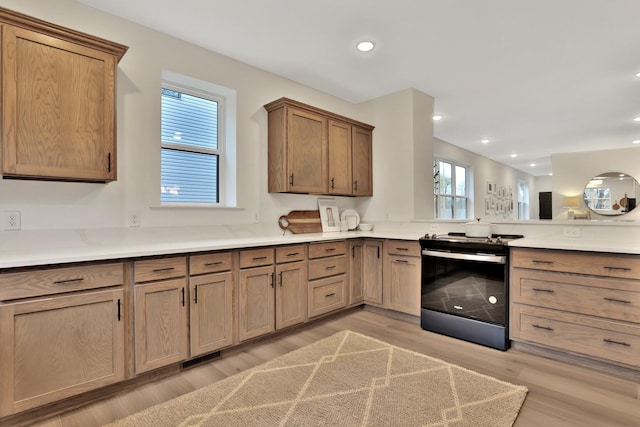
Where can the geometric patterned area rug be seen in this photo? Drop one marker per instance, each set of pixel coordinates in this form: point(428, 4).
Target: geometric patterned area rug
point(347, 379)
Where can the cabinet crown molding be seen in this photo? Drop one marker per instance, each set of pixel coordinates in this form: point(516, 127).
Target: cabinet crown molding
point(281, 102)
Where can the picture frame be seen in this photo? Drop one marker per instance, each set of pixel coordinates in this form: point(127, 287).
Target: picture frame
point(489, 187)
point(329, 215)
point(487, 205)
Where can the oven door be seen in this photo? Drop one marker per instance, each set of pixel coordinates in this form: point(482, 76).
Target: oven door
point(472, 286)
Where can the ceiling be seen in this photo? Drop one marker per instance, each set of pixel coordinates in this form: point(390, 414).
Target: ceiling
point(532, 77)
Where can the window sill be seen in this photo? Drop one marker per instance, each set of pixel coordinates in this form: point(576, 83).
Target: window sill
point(194, 206)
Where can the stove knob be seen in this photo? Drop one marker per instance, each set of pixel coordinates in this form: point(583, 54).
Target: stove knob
point(499, 240)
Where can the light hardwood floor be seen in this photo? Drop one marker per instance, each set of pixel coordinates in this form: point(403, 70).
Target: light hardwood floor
point(560, 394)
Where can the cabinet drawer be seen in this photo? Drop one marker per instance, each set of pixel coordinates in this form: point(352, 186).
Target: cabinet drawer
point(256, 257)
point(602, 339)
point(591, 263)
point(160, 269)
point(51, 281)
point(210, 263)
point(325, 267)
point(604, 297)
point(319, 250)
point(402, 247)
point(327, 295)
point(290, 253)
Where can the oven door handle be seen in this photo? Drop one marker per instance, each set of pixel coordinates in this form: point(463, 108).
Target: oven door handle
point(496, 259)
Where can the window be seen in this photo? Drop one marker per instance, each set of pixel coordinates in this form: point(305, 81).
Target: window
point(598, 198)
point(451, 190)
point(523, 200)
point(197, 150)
point(191, 147)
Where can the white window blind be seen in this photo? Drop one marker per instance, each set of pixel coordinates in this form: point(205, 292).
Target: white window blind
point(191, 146)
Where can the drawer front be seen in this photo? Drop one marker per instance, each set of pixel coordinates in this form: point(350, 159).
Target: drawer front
point(598, 264)
point(327, 295)
point(402, 247)
point(256, 257)
point(319, 250)
point(210, 263)
point(160, 269)
point(593, 337)
point(604, 297)
point(325, 267)
point(290, 253)
point(52, 281)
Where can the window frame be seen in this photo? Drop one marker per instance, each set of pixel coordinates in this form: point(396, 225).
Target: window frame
point(439, 195)
point(220, 152)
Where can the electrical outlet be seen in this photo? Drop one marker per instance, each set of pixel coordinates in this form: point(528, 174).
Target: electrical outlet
point(12, 220)
point(133, 219)
point(571, 231)
point(434, 228)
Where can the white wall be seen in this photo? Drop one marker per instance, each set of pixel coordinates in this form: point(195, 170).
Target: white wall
point(487, 170)
point(84, 205)
point(572, 171)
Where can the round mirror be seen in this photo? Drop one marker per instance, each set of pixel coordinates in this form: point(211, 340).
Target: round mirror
point(611, 193)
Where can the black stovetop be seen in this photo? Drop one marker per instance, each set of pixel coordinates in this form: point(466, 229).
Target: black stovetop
point(459, 242)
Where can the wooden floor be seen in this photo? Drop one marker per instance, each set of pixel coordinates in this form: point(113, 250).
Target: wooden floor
point(560, 394)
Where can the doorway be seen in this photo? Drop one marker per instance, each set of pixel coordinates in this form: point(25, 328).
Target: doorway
point(544, 198)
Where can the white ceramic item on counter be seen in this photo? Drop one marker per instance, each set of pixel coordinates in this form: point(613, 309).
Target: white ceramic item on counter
point(477, 228)
point(352, 218)
point(365, 227)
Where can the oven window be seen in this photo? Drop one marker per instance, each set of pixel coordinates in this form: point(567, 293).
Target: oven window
point(472, 289)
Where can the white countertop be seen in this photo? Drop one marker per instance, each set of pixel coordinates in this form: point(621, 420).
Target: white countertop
point(41, 247)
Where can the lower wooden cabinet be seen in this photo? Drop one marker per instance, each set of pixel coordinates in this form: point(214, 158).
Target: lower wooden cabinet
point(372, 272)
point(327, 295)
point(56, 347)
point(402, 271)
point(161, 330)
point(291, 294)
point(257, 302)
point(210, 312)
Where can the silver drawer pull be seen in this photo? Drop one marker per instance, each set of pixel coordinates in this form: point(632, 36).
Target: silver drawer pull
point(330, 267)
point(539, 261)
point(546, 328)
point(330, 249)
point(402, 249)
point(162, 270)
point(211, 264)
point(402, 261)
point(610, 341)
point(62, 282)
point(617, 300)
point(332, 294)
point(617, 268)
point(549, 291)
point(259, 258)
point(294, 254)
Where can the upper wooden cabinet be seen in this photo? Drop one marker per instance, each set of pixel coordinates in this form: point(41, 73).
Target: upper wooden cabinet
point(58, 102)
point(314, 151)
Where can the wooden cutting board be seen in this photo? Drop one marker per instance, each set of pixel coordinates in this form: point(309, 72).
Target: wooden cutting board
point(299, 222)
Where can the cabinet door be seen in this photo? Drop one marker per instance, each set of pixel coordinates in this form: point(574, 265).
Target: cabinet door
point(211, 312)
point(54, 348)
point(362, 161)
point(356, 267)
point(58, 107)
point(372, 272)
point(340, 177)
point(402, 284)
point(160, 324)
point(306, 152)
point(257, 301)
point(291, 294)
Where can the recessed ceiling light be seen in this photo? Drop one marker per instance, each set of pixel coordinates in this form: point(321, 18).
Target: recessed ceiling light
point(637, 141)
point(636, 119)
point(365, 46)
point(514, 155)
point(533, 165)
point(550, 173)
point(637, 74)
point(485, 141)
point(437, 117)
